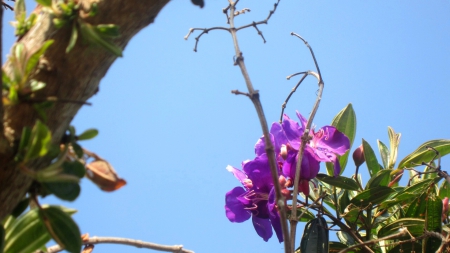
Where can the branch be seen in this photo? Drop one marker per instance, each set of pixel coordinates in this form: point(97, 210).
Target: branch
point(74, 76)
point(305, 139)
point(126, 241)
point(254, 97)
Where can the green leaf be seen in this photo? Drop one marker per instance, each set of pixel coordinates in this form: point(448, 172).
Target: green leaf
point(78, 149)
point(39, 142)
point(62, 228)
point(63, 190)
point(410, 192)
point(24, 140)
point(372, 196)
point(90, 34)
point(422, 154)
point(107, 31)
point(444, 190)
point(384, 152)
point(415, 227)
point(433, 222)
point(21, 207)
point(46, 3)
point(345, 238)
point(307, 215)
point(380, 179)
point(394, 141)
point(341, 182)
point(19, 10)
point(417, 207)
point(34, 58)
point(371, 159)
point(73, 39)
point(74, 168)
point(343, 201)
point(26, 235)
point(88, 134)
point(345, 122)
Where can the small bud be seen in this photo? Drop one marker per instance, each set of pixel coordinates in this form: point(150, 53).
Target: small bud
point(358, 156)
point(444, 208)
point(282, 181)
point(286, 193)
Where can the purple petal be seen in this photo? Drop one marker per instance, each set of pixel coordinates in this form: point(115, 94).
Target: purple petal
point(310, 166)
point(332, 140)
point(234, 209)
point(293, 131)
point(278, 136)
point(274, 216)
point(260, 146)
point(262, 227)
point(303, 120)
point(337, 167)
point(290, 164)
point(258, 170)
point(240, 175)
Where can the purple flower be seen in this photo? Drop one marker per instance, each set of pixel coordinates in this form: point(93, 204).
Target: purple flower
point(324, 146)
point(255, 199)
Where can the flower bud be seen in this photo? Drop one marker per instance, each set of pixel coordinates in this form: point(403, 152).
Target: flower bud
point(247, 183)
point(358, 156)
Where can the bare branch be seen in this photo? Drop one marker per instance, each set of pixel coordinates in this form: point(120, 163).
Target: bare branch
point(126, 241)
point(204, 31)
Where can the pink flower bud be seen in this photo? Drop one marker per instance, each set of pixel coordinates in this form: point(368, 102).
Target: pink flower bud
point(283, 151)
point(444, 208)
point(358, 156)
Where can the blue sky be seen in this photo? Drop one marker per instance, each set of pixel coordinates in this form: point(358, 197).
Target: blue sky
point(169, 124)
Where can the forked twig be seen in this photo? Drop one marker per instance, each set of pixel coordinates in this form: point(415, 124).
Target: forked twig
point(305, 138)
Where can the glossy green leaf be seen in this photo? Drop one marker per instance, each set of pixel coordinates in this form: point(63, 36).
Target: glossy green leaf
point(417, 206)
point(90, 34)
point(88, 134)
point(63, 190)
point(19, 10)
point(345, 122)
point(78, 149)
point(39, 141)
point(34, 58)
point(305, 215)
point(75, 168)
point(415, 227)
point(381, 178)
point(26, 235)
point(433, 222)
point(444, 190)
point(73, 39)
point(107, 31)
point(341, 182)
point(343, 201)
point(384, 152)
point(372, 196)
point(394, 141)
point(21, 207)
point(371, 159)
point(345, 238)
point(62, 228)
point(315, 236)
point(46, 3)
point(422, 154)
point(24, 140)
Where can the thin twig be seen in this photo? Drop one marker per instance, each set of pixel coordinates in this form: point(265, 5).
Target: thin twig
point(126, 241)
point(305, 139)
point(254, 97)
point(204, 31)
point(283, 106)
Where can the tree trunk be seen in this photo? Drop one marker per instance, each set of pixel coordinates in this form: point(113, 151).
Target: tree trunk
point(74, 76)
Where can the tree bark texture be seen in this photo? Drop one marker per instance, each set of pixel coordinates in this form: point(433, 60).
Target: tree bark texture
point(72, 76)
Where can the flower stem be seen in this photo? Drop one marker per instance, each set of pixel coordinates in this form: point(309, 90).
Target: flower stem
point(254, 97)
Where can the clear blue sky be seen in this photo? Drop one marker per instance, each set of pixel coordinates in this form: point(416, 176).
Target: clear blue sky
point(169, 124)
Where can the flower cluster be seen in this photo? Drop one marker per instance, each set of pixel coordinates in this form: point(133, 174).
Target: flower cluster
point(256, 198)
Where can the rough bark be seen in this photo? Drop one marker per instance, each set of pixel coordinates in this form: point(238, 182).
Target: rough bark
point(72, 76)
